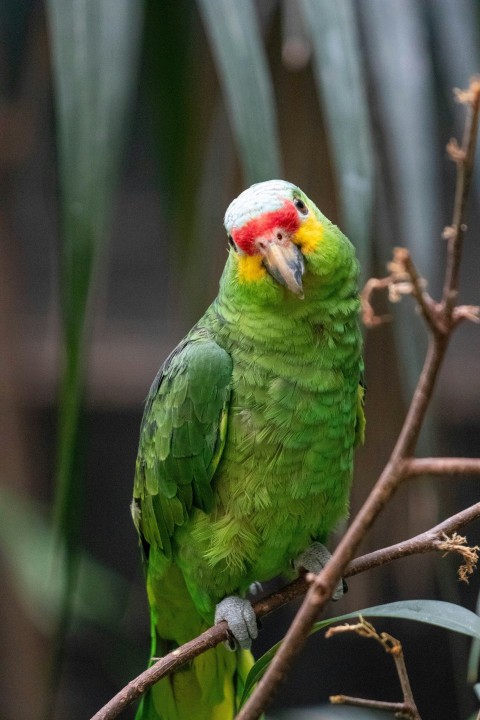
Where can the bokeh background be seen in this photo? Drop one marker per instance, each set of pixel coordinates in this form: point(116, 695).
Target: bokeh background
point(125, 130)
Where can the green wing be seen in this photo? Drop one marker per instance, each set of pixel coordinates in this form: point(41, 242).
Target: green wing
point(181, 438)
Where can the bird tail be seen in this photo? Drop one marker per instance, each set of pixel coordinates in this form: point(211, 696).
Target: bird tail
point(210, 686)
point(207, 688)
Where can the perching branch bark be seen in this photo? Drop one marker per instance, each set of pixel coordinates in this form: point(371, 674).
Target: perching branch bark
point(441, 322)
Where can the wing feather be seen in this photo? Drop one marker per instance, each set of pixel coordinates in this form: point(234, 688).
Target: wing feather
point(182, 438)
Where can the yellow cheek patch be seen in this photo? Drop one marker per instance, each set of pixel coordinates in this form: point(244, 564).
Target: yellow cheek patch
point(250, 268)
point(309, 235)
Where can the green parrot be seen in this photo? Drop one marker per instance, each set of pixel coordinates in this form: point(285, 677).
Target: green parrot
point(245, 454)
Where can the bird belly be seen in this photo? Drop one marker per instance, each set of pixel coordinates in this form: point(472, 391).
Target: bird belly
point(288, 477)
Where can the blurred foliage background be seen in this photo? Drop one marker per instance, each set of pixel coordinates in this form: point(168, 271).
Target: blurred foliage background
point(125, 130)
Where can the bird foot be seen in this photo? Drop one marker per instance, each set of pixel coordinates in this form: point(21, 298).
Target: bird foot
point(313, 560)
point(241, 619)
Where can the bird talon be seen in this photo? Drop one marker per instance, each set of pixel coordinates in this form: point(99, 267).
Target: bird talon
point(230, 642)
point(241, 619)
point(255, 588)
point(313, 560)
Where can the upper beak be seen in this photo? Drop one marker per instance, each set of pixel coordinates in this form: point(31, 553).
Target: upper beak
point(284, 261)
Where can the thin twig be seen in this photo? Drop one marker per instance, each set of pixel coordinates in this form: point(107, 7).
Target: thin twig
point(324, 583)
point(393, 647)
point(423, 543)
point(395, 707)
point(464, 160)
point(404, 279)
point(409, 702)
point(369, 317)
point(402, 264)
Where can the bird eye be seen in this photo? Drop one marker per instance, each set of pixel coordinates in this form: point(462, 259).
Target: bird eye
point(301, 207)
point(232, 243)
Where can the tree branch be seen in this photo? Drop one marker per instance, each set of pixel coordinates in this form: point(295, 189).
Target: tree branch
point(423, 543)
point(420, 544)
point(324, 583)
point(395, 707)
point(441, 466)
point(403, 268)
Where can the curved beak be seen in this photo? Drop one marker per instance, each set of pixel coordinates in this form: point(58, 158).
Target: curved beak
point(284, 261)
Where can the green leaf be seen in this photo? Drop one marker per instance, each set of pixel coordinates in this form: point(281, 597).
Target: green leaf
point(474, 656)
point(338, 66)
point(433, 612)
point(170, 76)
point(94, 50)
point(94, 53)
point(403, 86)
point(237, 47)
point(410, 195)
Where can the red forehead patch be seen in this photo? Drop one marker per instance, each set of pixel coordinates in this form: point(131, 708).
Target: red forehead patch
point(285, 218)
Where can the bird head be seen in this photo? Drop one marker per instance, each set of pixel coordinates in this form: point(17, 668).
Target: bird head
point(272, 228)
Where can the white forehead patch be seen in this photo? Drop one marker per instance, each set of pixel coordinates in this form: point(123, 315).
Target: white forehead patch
point(257, 199)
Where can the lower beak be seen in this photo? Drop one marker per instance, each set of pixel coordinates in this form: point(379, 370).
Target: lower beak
point(285, 264)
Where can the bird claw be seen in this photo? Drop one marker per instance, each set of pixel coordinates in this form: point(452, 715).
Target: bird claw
point(313, 560)
point(255, 588)
point(241, 619)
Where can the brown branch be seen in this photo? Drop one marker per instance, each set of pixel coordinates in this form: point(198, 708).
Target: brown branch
point(404, 279)
point(394, 707)
point(324, 583)
point(420, 544)
point(410, 706)
point(441, 466)
point(369, 317)
point(393, 647)
point(403, 269)
point(465, 312)
point(423, 543)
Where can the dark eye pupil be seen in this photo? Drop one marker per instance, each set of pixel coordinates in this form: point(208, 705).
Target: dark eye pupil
point(231, 243)
point(300, 205)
